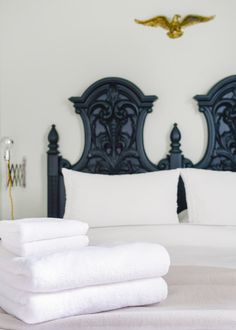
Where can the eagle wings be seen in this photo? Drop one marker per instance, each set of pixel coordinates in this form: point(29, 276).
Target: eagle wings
point(156, 21)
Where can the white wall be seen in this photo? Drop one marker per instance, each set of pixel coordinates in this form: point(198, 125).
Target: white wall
point(53, 49)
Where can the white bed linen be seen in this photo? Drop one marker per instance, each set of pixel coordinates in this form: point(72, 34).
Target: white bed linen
point(187, 244)
point(119, 200)
point(167, 235)
point(210, 196)
point(203, 256)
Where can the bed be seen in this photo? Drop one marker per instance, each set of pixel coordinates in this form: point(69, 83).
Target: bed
point(202, 278)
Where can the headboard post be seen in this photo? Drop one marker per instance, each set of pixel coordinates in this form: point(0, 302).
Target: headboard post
point(53, 173)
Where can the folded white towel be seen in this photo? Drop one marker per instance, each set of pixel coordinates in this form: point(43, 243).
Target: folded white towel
point(44, 247)
point(84, 267)
point(36, 229)
point(40, 307)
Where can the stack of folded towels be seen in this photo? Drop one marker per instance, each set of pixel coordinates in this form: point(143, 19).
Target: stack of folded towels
point(48, 272)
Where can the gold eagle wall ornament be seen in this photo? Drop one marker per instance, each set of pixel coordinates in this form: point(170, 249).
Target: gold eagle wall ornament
point(175, 25)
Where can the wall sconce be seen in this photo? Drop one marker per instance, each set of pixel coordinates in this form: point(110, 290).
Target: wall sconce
point(8, 143)
point(18, 174)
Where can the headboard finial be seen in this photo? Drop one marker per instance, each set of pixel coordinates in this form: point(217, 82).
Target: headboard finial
point(53, 139)
point(175, 138)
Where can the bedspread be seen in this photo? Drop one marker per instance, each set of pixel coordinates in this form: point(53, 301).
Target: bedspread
point(200, 298)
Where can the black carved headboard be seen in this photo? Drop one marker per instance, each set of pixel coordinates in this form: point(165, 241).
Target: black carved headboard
point(219, 109)
point(113, 111)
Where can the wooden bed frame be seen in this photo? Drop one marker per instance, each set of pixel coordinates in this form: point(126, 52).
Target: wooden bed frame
point(113, 111)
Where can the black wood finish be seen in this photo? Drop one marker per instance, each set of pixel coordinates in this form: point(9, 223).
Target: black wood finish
point(113, 111)
point(175, 159)
point(53, 173)
point(219, 109)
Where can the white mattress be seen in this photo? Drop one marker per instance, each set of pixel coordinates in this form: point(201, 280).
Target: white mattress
point(187, 244)
point(168, 235)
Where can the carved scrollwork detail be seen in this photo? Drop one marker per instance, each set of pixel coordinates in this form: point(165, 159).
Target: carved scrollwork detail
point(164, 164)
point(64, 163)
point(219, 107)
point(114, 125)
point(187, 163)
point(114, 114)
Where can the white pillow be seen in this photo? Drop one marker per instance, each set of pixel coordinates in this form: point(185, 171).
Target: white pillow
point(183, 216)
point(114, 200)
point(211, 196)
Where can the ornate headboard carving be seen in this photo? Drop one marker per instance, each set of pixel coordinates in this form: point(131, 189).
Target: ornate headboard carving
point(219, 109)
point(113, 111)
